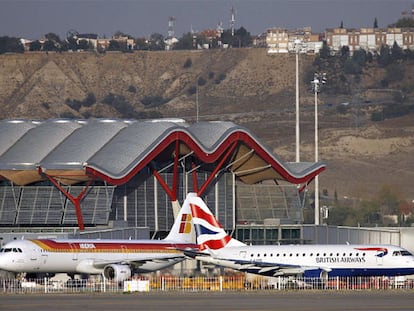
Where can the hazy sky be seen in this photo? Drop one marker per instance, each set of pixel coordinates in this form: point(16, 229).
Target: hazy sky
point(32, 19)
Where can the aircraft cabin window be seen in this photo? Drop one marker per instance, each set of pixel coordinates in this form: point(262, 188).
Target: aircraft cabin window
point(344, 255)
point(331, 254)
point(311, 254)
point(303, 254)
point(363, 254)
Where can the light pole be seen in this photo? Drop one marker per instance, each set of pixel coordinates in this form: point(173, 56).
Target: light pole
point(318, 80)
point(298, 46)
point(197, 108)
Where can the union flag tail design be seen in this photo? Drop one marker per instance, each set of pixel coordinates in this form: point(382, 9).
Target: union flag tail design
point(210, 234)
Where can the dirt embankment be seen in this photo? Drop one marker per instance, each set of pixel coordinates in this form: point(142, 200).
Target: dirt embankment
point(245, 86)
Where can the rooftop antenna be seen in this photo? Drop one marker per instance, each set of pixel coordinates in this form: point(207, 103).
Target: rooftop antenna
point(171, 21)
point(233, 20)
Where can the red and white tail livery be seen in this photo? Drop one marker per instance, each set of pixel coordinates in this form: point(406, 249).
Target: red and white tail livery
point(217, 247)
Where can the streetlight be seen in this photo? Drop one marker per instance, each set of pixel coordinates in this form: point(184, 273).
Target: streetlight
point(298, 46)
point(319, 79)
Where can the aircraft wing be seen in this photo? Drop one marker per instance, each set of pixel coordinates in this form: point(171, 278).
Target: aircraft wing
point(140, 262)
point(259, 267)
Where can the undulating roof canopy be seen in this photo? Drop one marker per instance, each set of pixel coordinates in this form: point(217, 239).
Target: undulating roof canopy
point(73, 151)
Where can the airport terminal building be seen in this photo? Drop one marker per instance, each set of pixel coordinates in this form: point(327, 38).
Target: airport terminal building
point(113, 178)
point(85, 175)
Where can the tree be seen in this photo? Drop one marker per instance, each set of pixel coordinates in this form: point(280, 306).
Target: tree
point(243, 37)
point(141, 44)
point(405, 22)
point(10, 45)
point(345, 52)
point(325, 51)
point(52, 37)
point(156, 42)
point(185, 42)
point(360, 57)
point(396, 52)
point(114, 45)
point(35, 46)
point(49, 46)
point(375, 23)
point(85, 45)
point(384, 57)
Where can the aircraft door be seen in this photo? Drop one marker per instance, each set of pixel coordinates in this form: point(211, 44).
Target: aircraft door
point(242, 255)
point(74, 251)
point(125, 252)
point(34, 260)
point(379, 255)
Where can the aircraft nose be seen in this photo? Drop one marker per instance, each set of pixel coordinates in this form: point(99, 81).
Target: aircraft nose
point(3, 262)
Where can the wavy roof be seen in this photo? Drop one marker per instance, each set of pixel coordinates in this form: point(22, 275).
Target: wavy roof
point(115, 150)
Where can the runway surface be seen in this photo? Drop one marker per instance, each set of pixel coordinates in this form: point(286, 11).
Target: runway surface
point(200, 301)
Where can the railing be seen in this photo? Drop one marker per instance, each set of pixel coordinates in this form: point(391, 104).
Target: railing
point(220, 283)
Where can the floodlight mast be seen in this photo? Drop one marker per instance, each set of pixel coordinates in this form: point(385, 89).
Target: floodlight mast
point(319, 79)
point(298, 46)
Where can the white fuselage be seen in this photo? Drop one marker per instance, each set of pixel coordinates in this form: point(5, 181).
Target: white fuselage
point(87, 256)
point(311, 260)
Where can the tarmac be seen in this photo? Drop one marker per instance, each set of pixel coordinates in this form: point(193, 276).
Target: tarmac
point(200, 301)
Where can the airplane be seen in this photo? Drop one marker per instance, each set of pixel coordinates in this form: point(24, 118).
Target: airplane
point(216, 247)
point(114, 259)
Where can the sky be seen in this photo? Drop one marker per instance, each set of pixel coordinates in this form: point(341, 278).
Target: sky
point(31, 19)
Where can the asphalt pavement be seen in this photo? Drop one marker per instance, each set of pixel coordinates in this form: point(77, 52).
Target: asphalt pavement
point(200, 301)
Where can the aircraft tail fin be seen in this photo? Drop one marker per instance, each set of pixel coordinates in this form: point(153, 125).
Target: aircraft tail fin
point(183, 231)
point(210, 234)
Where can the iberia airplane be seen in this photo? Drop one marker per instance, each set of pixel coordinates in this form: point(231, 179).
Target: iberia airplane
point(115, 259)
point(217, 247)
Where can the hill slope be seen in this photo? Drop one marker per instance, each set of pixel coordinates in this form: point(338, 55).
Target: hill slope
point(245, 86)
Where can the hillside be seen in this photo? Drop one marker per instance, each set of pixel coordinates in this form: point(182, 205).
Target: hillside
point(245, 86)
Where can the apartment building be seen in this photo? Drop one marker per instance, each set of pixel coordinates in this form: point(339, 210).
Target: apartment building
point(280, 40)
point(369, 39)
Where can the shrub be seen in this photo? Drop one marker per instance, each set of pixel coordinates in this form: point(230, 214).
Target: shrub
point(153, 101)
point(188, 63)
point(132, 89)
point(192, 90)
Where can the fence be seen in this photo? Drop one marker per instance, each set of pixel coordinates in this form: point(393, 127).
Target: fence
point(220, 283)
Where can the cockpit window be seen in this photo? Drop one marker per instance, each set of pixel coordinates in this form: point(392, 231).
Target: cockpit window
point(9, 250)
point(401, 253)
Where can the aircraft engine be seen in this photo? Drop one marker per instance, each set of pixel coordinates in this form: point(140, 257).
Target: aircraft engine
point(117, 272)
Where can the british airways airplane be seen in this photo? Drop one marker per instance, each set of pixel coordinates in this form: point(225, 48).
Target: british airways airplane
point(322, 261)
point(115, 259)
